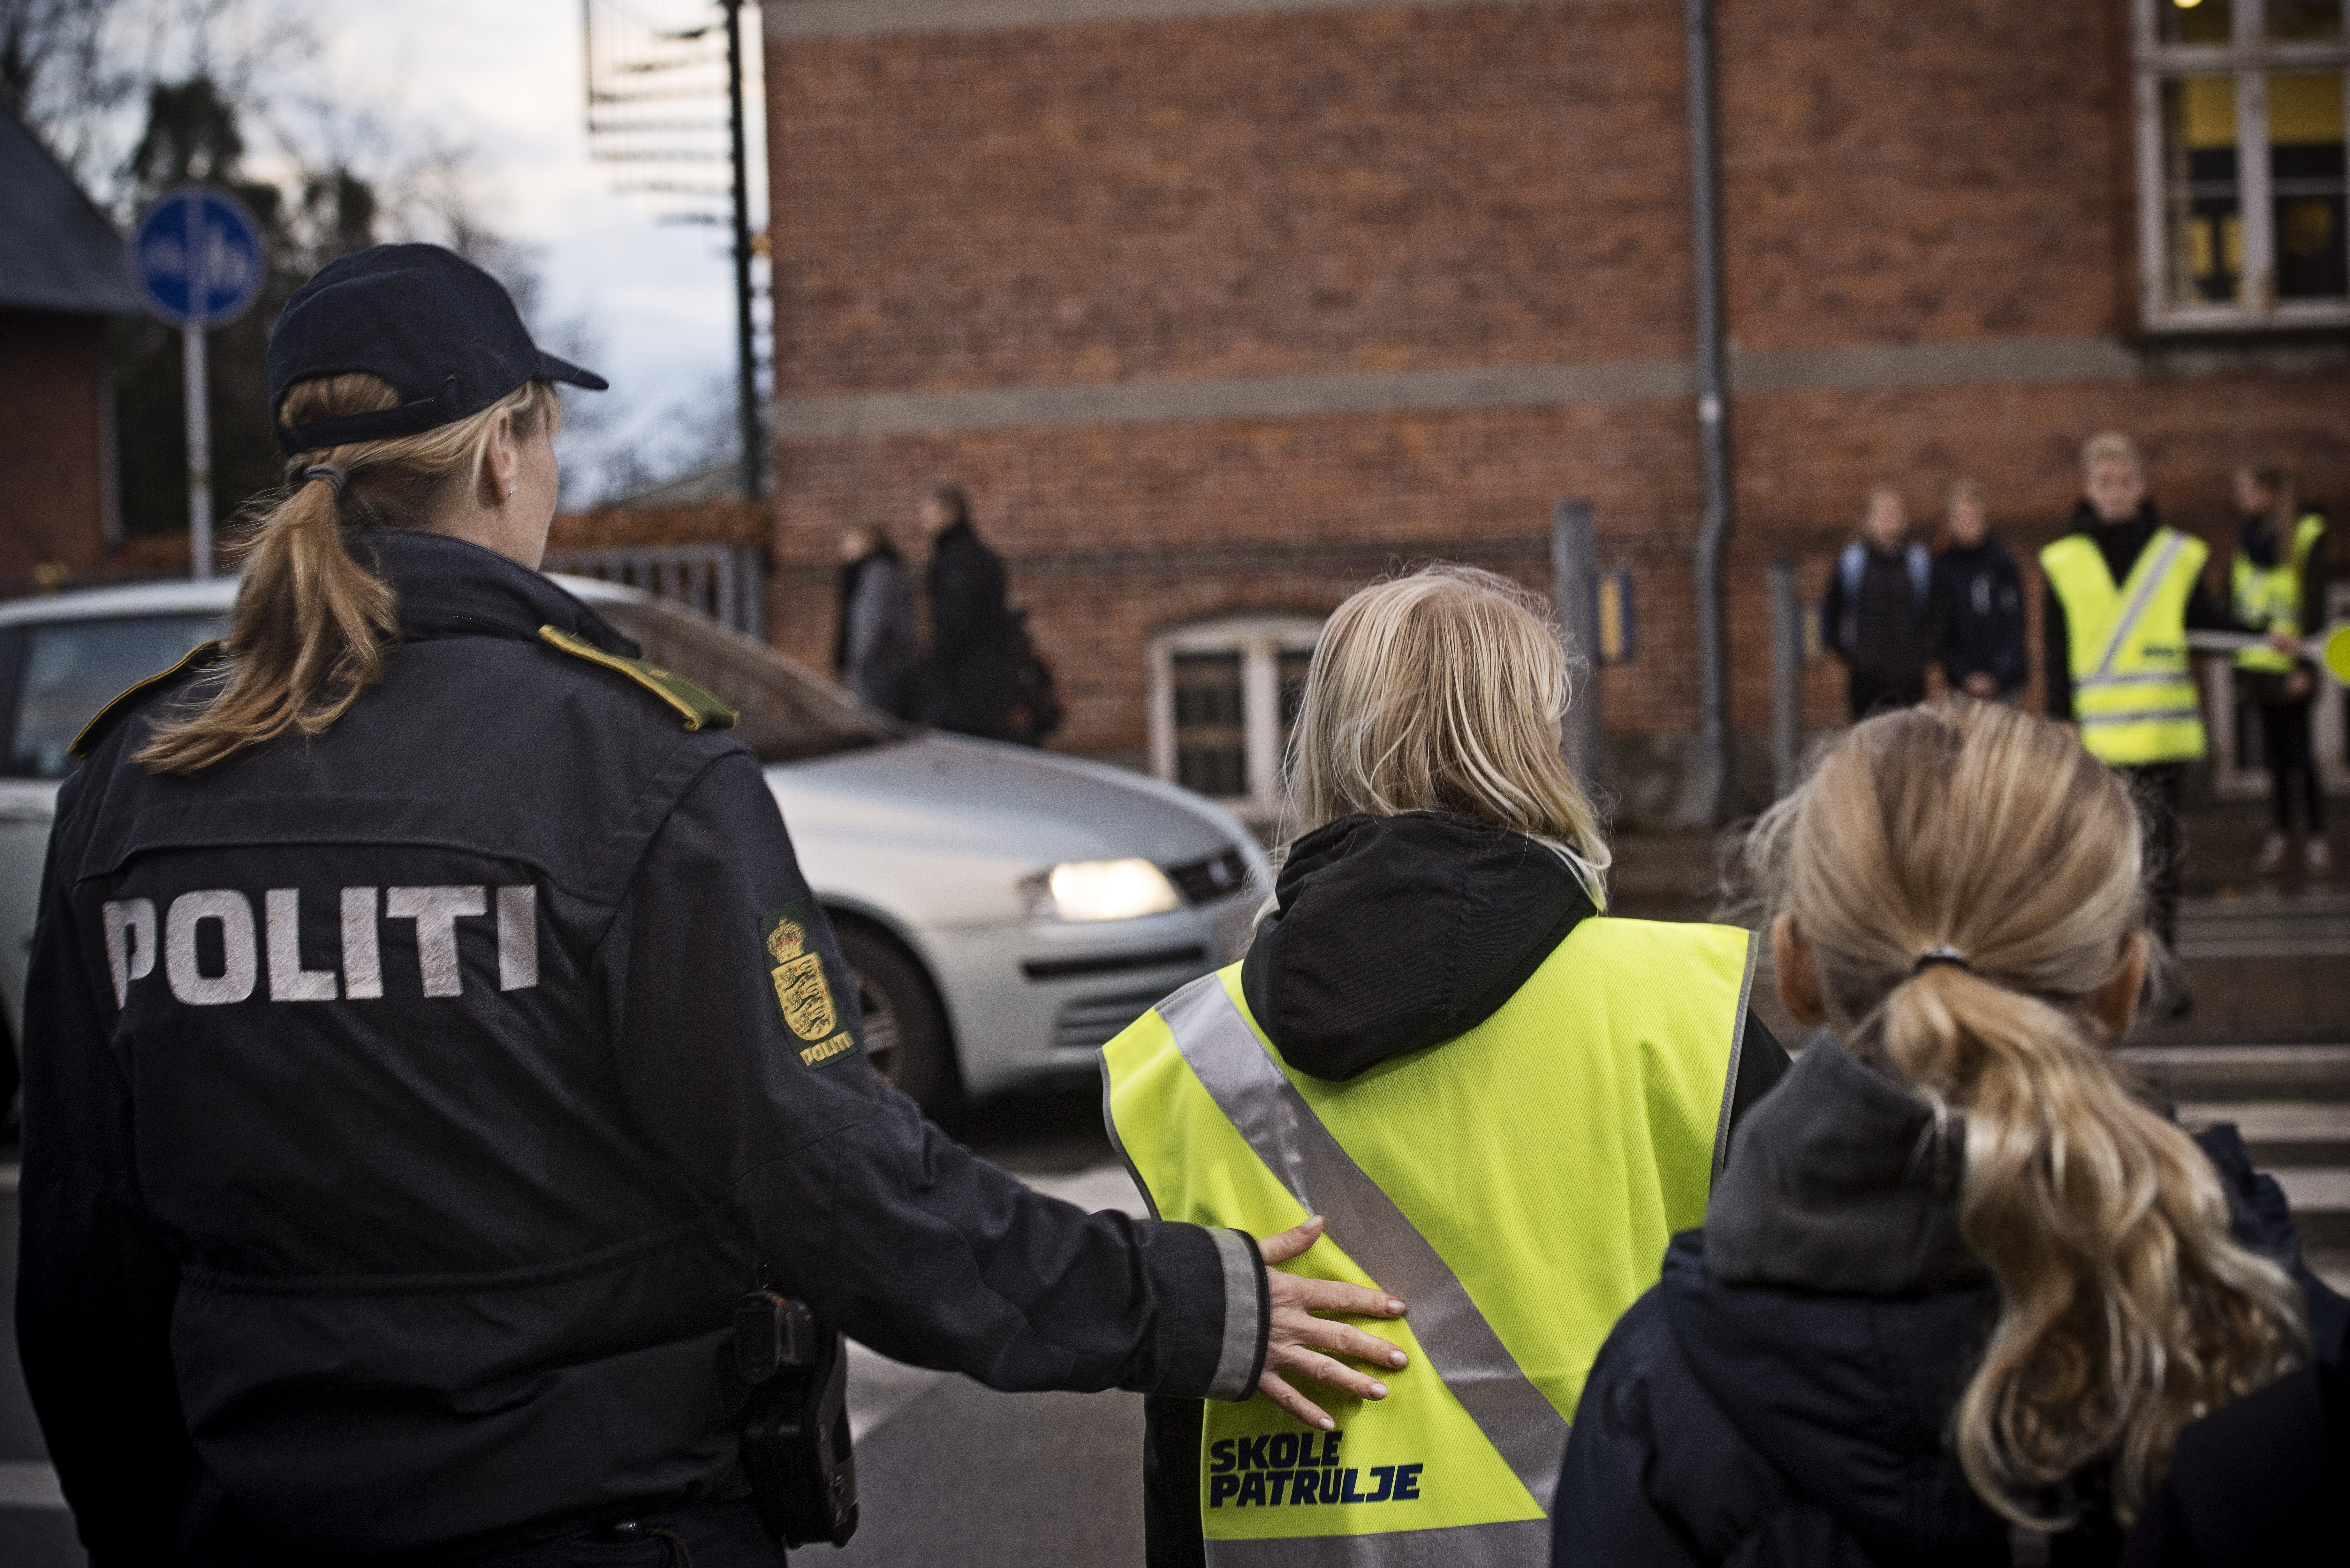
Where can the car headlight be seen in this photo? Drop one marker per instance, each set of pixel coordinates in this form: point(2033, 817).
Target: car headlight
point(1100, 890)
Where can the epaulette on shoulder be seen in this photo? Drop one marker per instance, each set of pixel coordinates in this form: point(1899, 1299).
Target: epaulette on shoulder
point(93, 732)
point(700, 709)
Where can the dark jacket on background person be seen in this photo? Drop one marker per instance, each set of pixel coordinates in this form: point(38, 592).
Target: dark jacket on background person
point(1883, 626)
point(1478, 909)
point(1981, 615)
point(875, 650)
point(973, 684)
point(1783, 1395)
point(412, 1219)
point(2120, 544)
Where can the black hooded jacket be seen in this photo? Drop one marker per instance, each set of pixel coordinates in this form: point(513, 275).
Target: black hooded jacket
point(1480, 909)
point(1783, 1396)
point(1981, 614)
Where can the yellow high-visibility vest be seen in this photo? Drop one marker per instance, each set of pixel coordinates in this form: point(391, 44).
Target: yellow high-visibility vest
point(2268, 598)
point(2133, 691)
point(1515, 1186)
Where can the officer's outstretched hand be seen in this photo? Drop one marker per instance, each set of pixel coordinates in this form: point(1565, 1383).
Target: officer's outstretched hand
point(1292, 1345)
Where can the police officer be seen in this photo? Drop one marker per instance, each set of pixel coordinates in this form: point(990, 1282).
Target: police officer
point(430, 1036)
point(1494, 1091)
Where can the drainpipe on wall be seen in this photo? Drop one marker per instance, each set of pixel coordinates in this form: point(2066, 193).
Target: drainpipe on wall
point(1705, 796)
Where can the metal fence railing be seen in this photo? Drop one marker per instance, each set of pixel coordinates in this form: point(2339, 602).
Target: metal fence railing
point(725, 581)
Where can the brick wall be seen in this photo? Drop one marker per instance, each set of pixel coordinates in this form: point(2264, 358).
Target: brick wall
point(53, 448)
point(1227, 196)
point(1366, 199)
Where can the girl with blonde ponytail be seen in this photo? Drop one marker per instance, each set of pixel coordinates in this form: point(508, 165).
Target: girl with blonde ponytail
point(1961, 1284)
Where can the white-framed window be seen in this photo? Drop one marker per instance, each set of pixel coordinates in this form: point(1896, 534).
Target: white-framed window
point(1224, 696)
point(2241, 112)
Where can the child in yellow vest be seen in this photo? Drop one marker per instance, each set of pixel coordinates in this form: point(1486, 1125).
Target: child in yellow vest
point(2278, 582)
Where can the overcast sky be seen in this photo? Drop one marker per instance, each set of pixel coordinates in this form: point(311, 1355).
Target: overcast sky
point(502, 78)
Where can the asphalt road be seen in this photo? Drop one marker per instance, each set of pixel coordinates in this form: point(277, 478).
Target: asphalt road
point(948, 1472)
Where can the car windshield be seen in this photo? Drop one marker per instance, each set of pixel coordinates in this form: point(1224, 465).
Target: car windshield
point(72, 669)
point(790, 714)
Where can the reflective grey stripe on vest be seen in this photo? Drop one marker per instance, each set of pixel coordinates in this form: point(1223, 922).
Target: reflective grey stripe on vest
point(1523, 1425)
point(2150, 677)
point(2140, 716)
point(1514, 1545)
point(2156, 575)
point(1737, 1054)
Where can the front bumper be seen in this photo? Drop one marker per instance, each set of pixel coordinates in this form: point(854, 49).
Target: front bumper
point(1035, 999)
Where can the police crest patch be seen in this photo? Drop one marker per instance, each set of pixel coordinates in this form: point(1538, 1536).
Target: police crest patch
point(802, 990)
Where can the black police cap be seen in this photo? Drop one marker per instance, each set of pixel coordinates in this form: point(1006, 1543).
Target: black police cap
point(440, 329)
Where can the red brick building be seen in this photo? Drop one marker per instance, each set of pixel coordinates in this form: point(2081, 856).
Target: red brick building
point(61, 277)
point(1220, 308)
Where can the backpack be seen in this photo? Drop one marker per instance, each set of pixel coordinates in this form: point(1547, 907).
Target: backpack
point(1035, 710)
point(1849, 566)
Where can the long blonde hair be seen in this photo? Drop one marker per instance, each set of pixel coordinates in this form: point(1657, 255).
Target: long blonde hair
point(2125, 1309)
point(1445, 689)
point(2285, 498)
point(312, 624)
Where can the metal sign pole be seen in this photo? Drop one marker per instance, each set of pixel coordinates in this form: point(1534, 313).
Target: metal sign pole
point(205, 274)
point(197, 389)
point(200, 452)
point(746, 364)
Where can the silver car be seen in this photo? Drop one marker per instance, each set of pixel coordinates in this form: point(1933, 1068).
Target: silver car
point(1005, 910)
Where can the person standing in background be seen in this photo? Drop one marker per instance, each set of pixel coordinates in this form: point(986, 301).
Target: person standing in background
point(2277, 583)
point(1879, 614)
point(2123, 589)
point(972, 679)
point(875, 650)
point(1980, 603)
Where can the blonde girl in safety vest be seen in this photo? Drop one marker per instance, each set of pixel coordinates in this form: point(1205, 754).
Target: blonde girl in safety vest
point(2277, 583)
point(1963, 1287)
point(1438, 1039)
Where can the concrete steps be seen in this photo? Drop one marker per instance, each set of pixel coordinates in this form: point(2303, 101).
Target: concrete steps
point(2264, 925)
point(2264, 964)
point(2283, 1136)
point(2292, 1104)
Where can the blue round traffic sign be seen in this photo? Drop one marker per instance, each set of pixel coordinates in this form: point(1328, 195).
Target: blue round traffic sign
point(196, 257)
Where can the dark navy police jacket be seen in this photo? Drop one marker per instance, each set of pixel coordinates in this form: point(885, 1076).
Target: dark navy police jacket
point(407, 1105)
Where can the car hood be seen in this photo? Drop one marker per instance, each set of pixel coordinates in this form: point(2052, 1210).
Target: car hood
point(940, 830)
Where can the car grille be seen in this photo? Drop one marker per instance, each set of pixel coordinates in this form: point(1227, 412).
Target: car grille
point(1092, 1022)
point(1212, 880)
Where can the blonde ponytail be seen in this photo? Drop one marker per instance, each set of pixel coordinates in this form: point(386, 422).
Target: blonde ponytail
point(312, 624)
point(2126, 1310)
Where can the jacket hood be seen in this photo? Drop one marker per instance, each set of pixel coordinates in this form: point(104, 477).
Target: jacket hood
point(1840, 1181)
point(1830, 1309)
point(1393, 933)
